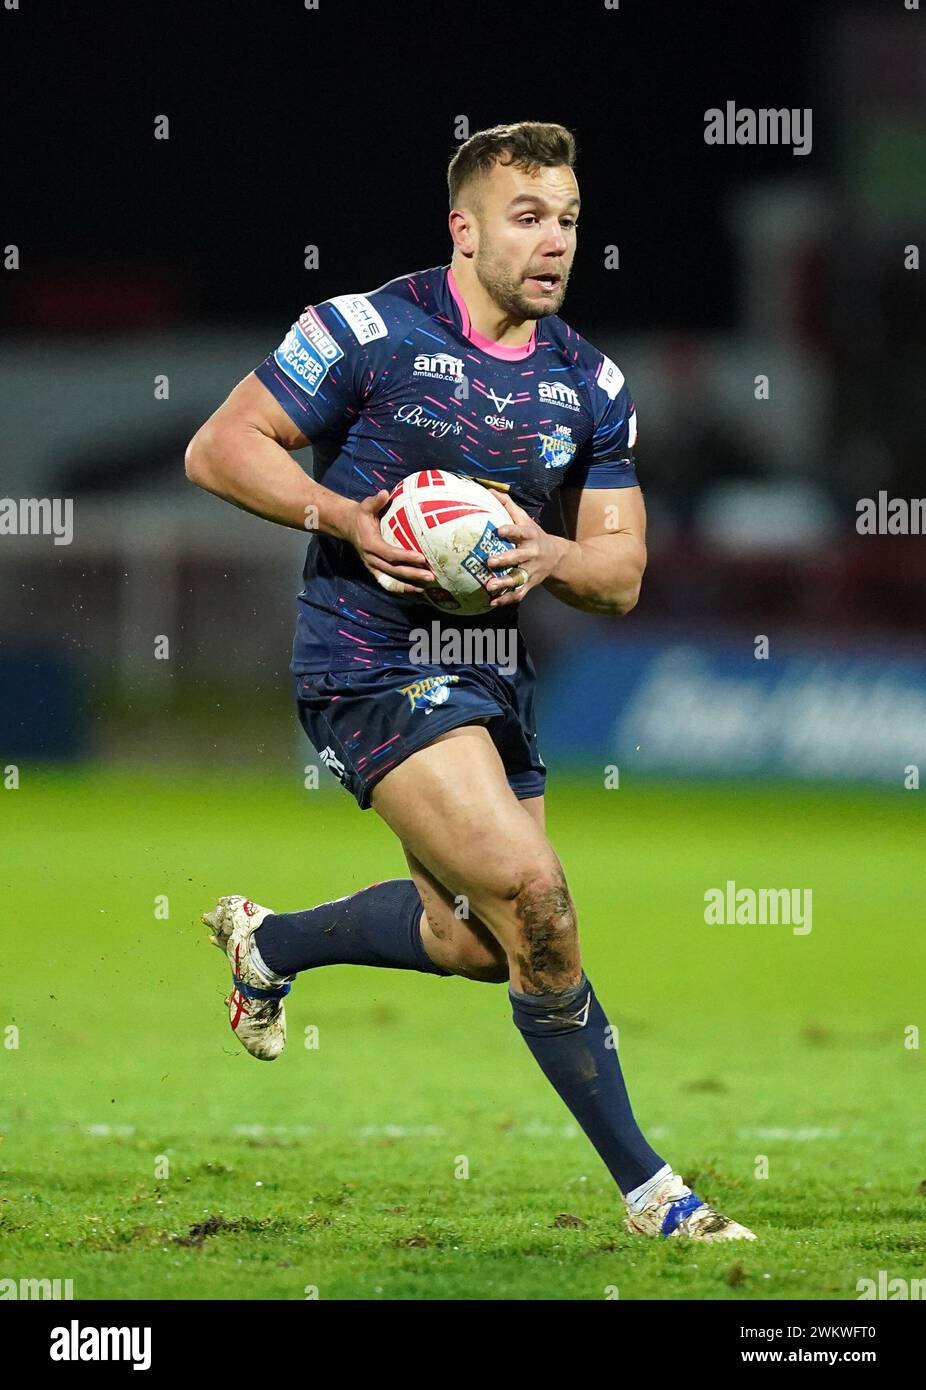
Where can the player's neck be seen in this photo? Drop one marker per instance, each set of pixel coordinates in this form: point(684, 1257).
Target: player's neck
point(485, 316)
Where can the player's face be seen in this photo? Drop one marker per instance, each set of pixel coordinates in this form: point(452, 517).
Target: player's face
point(527, 238)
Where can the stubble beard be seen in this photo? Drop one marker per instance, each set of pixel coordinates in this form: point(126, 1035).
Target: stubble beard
point(506, 290)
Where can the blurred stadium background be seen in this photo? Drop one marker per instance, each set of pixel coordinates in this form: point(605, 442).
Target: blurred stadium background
point(153, 275)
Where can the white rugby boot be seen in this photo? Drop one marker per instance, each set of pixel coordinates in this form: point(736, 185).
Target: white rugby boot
point(675, 1211)
point(255, 1005)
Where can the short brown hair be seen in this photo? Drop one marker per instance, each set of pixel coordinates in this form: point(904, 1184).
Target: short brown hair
point(531, 145)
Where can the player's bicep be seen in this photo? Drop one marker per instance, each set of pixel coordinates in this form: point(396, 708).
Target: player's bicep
point(251, 406)
point(596, 511)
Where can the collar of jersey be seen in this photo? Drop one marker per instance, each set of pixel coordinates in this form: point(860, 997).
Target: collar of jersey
point(507, 354)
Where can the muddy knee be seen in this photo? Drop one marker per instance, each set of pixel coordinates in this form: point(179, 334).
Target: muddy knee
point(546, 950)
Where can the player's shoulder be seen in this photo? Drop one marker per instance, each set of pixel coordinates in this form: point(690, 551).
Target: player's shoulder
point(593, 367)
point(387, 312)
point(349, 336)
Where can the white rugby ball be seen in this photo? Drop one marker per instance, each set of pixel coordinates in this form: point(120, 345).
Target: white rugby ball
point(453, 522)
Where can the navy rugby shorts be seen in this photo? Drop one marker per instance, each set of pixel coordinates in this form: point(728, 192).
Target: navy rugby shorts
point(364, 722)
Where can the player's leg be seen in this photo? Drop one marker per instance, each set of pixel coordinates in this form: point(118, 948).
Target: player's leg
point(403, 924)
point(352, 716)
point(453, 938)
point(360, 723)
point(383, 925)
point(400, 924)
point(452, 807)
point(536, 809)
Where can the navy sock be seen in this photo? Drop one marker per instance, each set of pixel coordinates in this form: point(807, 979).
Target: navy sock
point(569, 1035)
point(377, 926)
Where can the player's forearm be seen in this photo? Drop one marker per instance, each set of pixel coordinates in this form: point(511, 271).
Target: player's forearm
point(600, 575)
point(253, 472)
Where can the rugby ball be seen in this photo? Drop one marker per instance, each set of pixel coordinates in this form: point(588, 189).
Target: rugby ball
point(453, 522)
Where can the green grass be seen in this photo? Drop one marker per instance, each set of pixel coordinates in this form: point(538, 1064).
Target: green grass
point(335, 1167)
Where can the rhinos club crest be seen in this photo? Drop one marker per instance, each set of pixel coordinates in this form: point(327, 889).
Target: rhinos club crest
point(557, 449)
point(429, 692)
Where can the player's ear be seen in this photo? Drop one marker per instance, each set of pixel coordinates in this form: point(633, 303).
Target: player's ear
point(461, 224)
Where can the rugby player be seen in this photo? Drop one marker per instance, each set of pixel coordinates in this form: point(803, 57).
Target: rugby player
point(465, 367)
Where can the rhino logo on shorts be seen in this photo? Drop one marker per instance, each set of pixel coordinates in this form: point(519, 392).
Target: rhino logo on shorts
point(431, 691)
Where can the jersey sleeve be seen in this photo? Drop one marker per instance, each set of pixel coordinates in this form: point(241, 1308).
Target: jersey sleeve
point(607, 459)
point(320, 370)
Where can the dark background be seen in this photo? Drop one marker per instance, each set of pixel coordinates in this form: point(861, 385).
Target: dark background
point(335, 127)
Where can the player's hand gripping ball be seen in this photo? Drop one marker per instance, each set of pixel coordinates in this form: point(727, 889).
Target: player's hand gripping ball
point(453, 522)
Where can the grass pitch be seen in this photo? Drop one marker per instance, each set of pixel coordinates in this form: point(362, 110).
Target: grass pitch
point(145, 1155)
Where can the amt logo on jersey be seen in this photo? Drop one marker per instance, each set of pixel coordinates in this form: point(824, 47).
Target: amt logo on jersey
point(558, 393)
point(439, 364)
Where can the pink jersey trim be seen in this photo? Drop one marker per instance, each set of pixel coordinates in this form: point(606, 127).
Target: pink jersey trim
point(507, 354)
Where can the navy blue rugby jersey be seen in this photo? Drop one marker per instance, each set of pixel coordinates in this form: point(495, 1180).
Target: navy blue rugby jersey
point(397, 380)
